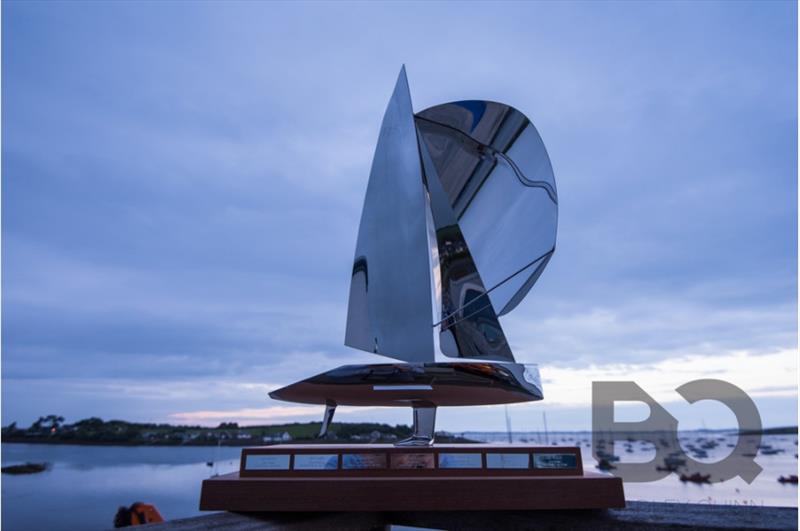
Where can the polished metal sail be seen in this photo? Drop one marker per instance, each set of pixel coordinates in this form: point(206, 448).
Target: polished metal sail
point(390, 309)
point(459, 222)
point(496, 173)
point(467, 324)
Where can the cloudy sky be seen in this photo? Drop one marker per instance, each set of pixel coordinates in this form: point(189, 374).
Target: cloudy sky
point(182, 184)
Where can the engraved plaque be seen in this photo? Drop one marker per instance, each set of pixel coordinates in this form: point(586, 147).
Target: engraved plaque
point(555, 461)
point(497, 460)
point(460, 460)
point(365, 461)
point(267, 462)
point(316, 461)
point(412, 460)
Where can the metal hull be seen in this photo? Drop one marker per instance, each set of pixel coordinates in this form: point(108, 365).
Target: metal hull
point(417, 385)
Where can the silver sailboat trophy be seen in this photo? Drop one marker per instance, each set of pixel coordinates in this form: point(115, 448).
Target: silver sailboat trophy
point(459, 221)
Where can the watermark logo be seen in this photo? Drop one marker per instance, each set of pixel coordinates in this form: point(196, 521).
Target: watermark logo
point(661, 430)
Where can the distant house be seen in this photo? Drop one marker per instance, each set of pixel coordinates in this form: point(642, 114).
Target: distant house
point(282, 437)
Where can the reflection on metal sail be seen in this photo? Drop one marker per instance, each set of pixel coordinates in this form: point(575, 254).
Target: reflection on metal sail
point(389, 310)
point(469, 327)
point(497, 177)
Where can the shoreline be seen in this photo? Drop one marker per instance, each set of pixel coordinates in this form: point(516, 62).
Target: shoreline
point(123, 444)
point(203, 445)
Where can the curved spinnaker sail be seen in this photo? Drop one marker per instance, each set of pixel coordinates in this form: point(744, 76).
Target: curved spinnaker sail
point(494, 168)
point(467, 324)
point(390, 308)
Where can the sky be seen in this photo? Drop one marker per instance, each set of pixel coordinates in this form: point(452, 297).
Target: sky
point(182, 185)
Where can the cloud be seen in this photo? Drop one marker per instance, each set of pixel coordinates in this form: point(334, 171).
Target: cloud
point(773, 375)
point(267, 415)
point(635, 329)
point(182, 187)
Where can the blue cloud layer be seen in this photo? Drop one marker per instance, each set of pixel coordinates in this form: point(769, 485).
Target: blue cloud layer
point(182, 182)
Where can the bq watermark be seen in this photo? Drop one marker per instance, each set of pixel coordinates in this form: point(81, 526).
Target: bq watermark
point(661, 430)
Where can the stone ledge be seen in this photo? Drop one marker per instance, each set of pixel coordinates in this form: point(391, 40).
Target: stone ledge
point(638, 515)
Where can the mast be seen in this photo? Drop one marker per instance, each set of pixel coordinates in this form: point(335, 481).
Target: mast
point(546, 435)
point(508, 426)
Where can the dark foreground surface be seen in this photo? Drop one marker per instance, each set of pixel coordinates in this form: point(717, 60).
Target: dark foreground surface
point(638, 515)
point(446, 491)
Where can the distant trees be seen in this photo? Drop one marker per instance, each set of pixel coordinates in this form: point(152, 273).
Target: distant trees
point(50, 423)
point(11, 429)
point(94, 430)
point(90, 422)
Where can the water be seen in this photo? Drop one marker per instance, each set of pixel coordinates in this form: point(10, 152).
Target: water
point(86, 484)
point(765, 490)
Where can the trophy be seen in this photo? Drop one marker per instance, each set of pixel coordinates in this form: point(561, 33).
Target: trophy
point(458, 224)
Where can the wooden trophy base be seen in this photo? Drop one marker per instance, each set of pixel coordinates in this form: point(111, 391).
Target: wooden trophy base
point(459, 477)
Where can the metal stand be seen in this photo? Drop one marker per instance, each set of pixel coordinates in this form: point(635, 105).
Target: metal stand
point(424, 422)
point(330, 409)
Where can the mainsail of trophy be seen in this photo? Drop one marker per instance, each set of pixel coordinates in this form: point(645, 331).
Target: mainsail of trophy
point(459, 221)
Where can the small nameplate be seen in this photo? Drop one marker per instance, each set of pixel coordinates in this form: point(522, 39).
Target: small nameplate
point(517, 460)
point(412, 460)
point(555, 461)
point(316, 461)
point(460, 460)
point(266, 462)
point(363, 461)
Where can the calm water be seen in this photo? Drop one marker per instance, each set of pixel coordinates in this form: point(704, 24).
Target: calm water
point(86, 484)
point(765, 490)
